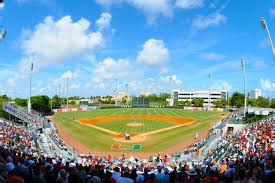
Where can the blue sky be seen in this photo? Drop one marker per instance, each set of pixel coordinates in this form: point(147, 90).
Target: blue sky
point(151, 45)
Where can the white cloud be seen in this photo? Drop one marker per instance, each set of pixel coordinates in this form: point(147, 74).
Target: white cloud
point(22, 1)
point(22, 70)
point(56, 41)
point(166, 83)
point(229, 65)
point(108, 2)
point(109, 69)
point(154, 53)
point(2, 5)
point(188, 4)
point(264, 43)
point(202, 22)
point(272, 12)
point(152, 8)
point(267, 85)
point(68, 74)
point(218, 85)
point(171, 79)
point(259, 64)
point(53, 42)
point(212, 56)
point(104, 21)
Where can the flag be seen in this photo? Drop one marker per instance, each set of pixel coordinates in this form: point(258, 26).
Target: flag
point(31, 62)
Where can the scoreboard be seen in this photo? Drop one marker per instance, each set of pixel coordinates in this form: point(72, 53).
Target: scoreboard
point(140, 101)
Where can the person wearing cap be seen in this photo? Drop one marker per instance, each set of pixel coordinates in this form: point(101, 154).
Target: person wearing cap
point(116, 174)
point(165, 176)
point(49, 176)
point(12, 177)
point(159, 174)
point(192, 176)
point(72, 173)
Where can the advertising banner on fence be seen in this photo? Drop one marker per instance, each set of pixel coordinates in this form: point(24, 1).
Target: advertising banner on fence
point(89, 108)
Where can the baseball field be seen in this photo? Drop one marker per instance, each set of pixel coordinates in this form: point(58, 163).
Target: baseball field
point(151, 130)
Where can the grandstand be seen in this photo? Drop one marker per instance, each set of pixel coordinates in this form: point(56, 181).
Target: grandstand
point(218, 157)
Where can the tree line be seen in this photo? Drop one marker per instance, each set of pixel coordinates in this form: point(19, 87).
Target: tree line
point(44, 104)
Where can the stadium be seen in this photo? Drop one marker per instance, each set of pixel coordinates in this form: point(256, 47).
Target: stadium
point(150, 129)
point(80, 107)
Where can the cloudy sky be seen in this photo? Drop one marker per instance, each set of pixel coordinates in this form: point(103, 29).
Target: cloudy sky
point(149, 45)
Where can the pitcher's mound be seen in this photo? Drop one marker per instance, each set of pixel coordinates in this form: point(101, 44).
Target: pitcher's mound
point(134, 138)
point(134, 124)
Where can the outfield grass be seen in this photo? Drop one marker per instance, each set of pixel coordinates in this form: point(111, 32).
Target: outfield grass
point(102, 141)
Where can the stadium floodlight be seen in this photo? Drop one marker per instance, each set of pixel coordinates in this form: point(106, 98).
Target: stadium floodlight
point(67, 92)
point(3, 34)
point(29, 101)
point(244, 75)
point(265, 27)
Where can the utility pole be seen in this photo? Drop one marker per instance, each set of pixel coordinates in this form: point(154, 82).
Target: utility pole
point(244, 77)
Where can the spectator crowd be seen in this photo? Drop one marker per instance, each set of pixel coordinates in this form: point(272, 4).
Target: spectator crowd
point(244, 156)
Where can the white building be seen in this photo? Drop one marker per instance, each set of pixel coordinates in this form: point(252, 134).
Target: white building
point(254, 94)
point(190, 95)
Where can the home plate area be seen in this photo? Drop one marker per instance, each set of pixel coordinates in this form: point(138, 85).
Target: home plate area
point(118, 147)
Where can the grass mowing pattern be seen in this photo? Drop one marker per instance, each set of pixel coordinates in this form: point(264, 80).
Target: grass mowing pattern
point(121, 125)
point(102, 141)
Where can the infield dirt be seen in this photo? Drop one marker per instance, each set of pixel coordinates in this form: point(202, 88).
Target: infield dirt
point(119, 137)
point(82, 148)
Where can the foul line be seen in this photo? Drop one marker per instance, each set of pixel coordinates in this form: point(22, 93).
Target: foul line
point(99, 128)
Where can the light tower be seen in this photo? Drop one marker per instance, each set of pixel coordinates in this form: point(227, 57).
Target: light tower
point(209, 93)
point(127, 90)
point(67, 92)
point(244, 77)
point(116, 92)
point(3, 34)
point(265, 27)
point(30, 94)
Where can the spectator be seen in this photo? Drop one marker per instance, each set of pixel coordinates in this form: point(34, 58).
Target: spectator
point(12, 177)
